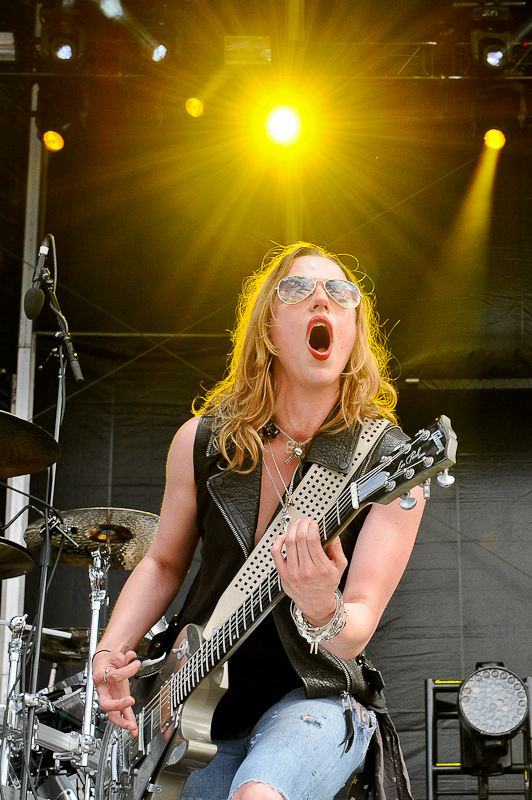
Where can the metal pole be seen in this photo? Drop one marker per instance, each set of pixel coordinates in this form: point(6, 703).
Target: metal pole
point(12, 604)
point(429, 733)
point(295, 34)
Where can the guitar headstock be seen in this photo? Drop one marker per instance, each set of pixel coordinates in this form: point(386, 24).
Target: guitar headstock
point(430, 452)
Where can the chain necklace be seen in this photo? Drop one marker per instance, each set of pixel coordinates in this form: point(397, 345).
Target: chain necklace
point(294, 448)
point(288, 489)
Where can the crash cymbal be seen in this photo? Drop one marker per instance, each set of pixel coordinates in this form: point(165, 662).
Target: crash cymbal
point(126, 533)
point(69, 651)
point(15, 560)
point(25, 448)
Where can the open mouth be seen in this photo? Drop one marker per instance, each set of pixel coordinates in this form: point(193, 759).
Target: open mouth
point(319, 339)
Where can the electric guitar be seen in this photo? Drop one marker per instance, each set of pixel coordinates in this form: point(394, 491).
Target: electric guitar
point(174, 706)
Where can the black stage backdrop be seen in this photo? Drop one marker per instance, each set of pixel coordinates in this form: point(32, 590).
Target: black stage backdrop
point(465, 595)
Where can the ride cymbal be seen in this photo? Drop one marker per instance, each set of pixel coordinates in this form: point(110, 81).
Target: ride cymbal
point(25, 448)
point(126, 533)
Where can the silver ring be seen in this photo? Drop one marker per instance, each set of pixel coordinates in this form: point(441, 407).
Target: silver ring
point(105, 674)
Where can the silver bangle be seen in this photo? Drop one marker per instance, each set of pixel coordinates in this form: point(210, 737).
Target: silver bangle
point(317, 634)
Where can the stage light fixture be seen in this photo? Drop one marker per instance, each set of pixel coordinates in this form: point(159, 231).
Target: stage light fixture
point(490, 37)
point(113, 9)
point(63, 39)
point(492, 707)
point(60, 110)
point(159, 52)
point(8, 51)
point(283, 125)
point(495, 139)
point(194, 107)
point(247, 50)
point(53, 141)
point(494, 55)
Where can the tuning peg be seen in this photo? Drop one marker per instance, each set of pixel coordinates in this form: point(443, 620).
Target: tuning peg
point(426, 489)
point(408, 502)
point(444, 479)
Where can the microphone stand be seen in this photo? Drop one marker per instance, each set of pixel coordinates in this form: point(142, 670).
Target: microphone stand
point(49, 526)
point(63, 334)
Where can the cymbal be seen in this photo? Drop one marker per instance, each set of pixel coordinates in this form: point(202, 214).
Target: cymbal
point(68, 651)
point(15, 560)
point(126, 533)
point(25, 448)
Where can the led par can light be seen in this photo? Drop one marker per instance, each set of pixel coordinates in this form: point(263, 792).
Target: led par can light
point(493, 701)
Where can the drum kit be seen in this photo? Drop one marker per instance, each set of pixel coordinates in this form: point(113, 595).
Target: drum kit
point(50, 737)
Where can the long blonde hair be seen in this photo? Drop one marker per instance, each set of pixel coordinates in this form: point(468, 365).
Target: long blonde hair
point(243, 402)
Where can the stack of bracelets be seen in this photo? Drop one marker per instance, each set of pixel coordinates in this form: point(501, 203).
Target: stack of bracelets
point(315, 635)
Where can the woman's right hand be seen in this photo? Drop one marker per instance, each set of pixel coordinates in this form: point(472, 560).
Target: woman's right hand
point(111, 672)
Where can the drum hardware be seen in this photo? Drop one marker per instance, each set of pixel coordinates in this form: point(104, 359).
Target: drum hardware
point(12, 740)
point(52, 676)
point(73, 746)
point(16, 645)
point(97, 572)
point(57, 787)
point(125, 536)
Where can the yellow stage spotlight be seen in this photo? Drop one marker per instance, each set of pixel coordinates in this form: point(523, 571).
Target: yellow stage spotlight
point(495, 139)
point(194, 107)
point(53, 141)
point(283, 125)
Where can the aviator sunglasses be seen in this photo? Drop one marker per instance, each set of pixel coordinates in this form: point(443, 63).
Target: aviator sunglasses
point(295, 288)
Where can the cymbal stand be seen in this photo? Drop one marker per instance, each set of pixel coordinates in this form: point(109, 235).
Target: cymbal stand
point(99, 597)
point(16, 646)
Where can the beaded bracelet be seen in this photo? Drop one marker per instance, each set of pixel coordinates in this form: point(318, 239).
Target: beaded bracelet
point(316, 634)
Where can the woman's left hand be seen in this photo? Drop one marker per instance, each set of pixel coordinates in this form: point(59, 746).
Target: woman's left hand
point(309, 574)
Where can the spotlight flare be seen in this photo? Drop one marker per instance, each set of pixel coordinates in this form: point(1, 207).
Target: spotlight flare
point(283, 125)
point(495, 139)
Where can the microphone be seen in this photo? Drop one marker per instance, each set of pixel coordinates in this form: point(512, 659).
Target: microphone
point(34, 297)
point(33, 302)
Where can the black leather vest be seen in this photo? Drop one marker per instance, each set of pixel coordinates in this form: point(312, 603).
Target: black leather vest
point(228, 507)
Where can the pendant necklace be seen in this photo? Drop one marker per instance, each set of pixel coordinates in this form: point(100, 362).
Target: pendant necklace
point(288, 489)
point(295, 449)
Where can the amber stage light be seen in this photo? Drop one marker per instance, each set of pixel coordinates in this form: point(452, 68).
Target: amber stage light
point(495, 139)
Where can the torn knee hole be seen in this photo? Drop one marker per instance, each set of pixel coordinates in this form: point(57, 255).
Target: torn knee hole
point(310, 719)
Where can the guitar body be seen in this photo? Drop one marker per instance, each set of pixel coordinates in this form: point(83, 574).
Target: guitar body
point(173, 741)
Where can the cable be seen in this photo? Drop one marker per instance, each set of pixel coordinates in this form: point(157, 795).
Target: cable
point(33, 497)
point(22, 510)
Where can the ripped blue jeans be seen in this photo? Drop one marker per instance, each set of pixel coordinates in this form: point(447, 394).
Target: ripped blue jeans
point(295, 748)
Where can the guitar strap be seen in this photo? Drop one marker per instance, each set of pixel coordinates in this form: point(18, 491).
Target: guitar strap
point(315, 493)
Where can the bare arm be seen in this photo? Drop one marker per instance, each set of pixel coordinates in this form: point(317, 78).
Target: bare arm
point(310, 575)
point(152, 585)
